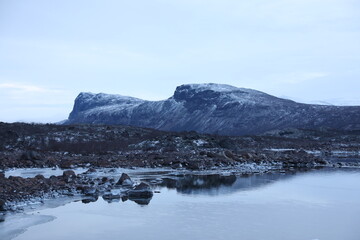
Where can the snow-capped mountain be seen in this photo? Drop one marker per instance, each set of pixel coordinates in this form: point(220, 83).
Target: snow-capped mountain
point(212, 108)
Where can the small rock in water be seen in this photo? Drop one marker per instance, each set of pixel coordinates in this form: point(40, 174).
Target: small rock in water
point(89, 191)
point(89, 200)
point(90, 170)
point(141, 191)
point(125, 180)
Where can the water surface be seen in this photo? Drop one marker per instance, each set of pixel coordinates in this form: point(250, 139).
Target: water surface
point(322, 205)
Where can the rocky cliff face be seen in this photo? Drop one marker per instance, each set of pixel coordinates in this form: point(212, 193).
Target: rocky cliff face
point(212, 108)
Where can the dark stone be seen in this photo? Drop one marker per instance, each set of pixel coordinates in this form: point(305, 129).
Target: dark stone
point(2, 205)
point(210, 154)
point(69, 173)
point(65, 164)
point(89, 191)
point(193, 165)
point(142, 190)
point(104, 179)
point(90, 199)
point(40, 177)
point(125, 180)
point(30, 155)
point(142, 186)
point(53, 179)
point(69, 176)
point(91, 170)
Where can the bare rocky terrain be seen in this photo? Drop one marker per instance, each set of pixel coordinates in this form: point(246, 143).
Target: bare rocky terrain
point(99, 146)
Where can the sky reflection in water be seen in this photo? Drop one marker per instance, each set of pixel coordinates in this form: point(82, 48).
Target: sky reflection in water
point(313, 205)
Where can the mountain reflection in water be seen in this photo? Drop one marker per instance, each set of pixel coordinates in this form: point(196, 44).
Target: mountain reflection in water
point(191, 184)
point(217, 184)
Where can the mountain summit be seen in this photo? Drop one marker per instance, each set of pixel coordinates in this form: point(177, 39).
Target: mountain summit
point(212, 108)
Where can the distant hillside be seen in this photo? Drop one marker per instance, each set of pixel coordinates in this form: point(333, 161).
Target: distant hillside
point(212, 108)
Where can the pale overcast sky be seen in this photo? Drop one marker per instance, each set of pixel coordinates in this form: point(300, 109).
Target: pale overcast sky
point(306, 50)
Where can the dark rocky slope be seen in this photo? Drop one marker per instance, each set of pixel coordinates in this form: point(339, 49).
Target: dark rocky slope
point(212, 108)
point(39, 145)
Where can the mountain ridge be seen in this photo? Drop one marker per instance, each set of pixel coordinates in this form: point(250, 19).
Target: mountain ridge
point(212, 108)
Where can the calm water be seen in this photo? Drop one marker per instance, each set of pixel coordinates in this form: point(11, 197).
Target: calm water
point(322, 205)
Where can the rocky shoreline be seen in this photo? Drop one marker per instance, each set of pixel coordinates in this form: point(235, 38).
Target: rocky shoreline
point(95, 147)
point(17, 192)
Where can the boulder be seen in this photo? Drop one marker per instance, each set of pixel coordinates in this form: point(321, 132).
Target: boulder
point(39, 177)
point(53, 179)
point(65, 164)
point(69, 176)
point(142, 190)
point(125, 180)
point(30, 155)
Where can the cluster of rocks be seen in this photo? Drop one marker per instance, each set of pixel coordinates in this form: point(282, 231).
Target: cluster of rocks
point(36, 145)
point(18, 189)
point(31, 145)
point(197, 159)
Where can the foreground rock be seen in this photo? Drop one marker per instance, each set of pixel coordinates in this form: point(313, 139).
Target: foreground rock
point(69, 176)
point(125, 180)
point(142, 190)
point(18, 189)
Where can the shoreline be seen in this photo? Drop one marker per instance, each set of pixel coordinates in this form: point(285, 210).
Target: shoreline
point(99, 182)
point(93, 147)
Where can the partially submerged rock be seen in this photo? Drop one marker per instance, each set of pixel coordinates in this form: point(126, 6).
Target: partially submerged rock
point(89, 199)
point(88, 191)
point(125, 180)
point(90, 170)
point(142, 190)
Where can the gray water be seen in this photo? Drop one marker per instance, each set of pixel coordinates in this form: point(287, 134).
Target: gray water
point(322, 205)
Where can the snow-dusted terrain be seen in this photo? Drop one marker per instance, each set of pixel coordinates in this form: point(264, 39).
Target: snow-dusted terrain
point(212, 108)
